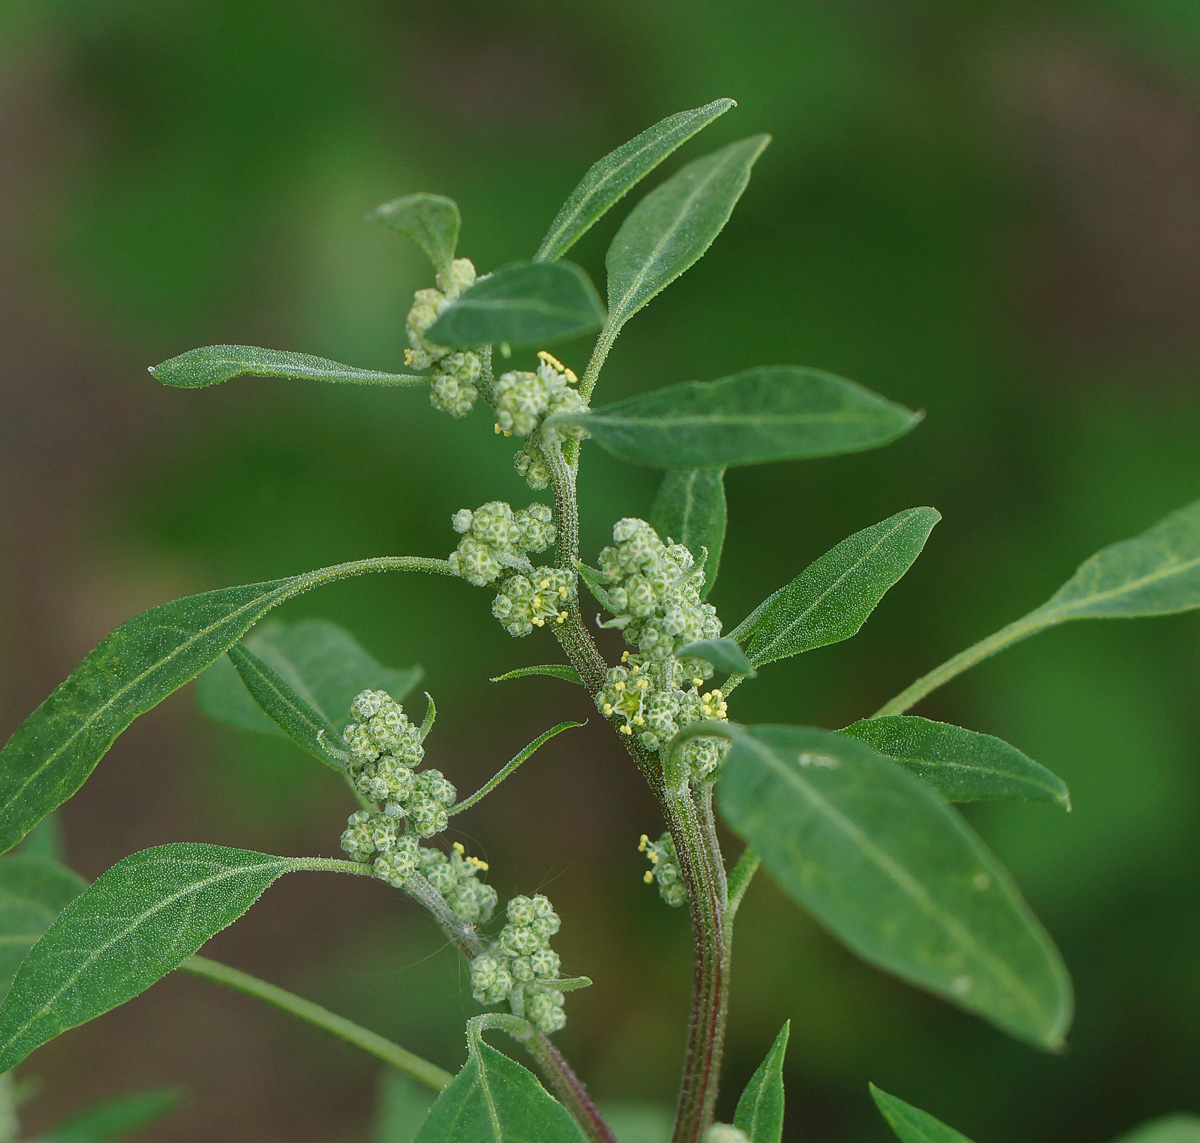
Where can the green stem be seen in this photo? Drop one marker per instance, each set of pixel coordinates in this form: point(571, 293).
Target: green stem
point(591, 375)
point(1028, 625)
point(371, 1042)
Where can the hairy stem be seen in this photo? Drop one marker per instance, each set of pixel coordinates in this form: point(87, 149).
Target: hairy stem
point(370, 1042)
point(569, 1088)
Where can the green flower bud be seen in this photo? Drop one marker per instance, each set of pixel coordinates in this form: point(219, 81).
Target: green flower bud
point(524, 400)
point(533, 468)
point(399, 863)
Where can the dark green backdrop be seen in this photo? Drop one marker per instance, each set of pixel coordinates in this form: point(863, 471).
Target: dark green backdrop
point(990, 211)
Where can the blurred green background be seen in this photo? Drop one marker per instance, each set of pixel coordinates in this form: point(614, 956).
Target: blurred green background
point(990, 211)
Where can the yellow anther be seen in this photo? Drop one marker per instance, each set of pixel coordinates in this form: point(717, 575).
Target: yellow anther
point(550, 359)
point(496, 428)
point(538, 621)
point(644, 684)
point(479, 863)
point(619, 685)
point(563, 592)
point(537, 601)
point(544, 584)
point(643, 841)
point(627, 730)
point(654, 858)
point(717, 693)
point(624, 656)
point(562, 617)
point(648, 876)
point(638, 720)
point(696, 682)
point(459, 848)
point(608, 708)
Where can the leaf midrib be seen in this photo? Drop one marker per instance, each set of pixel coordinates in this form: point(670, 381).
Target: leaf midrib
point(774, 641)
point(647, 264)
point(901, 877)
point(1062, 610)
point(139, 919)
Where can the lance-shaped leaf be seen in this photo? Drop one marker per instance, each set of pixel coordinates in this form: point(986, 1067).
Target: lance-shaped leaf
point(33, 891)
point(430, 220)
point(724, 654)
point(962, 765)
point(690, 510)
point(495, 1100)
point(618, 172)
point(322, 662)
point(760, 1110)
point(526, 304)
point(132, 670)
point(212, 364)
point(773, 412)
point(132, 926)
point(895, 874)
point(833, 597)
point(568, 674)
point(115, 1117)
point(911, 1124)
point(1168, 1129)
point(671, 228)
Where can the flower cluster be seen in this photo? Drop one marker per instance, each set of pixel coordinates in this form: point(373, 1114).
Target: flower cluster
point(384, 750)
point(495, 545)
point(653, 590)
point(521, 967)
point(495, 539)
point(524, 400)
point(664, 868)
point(456, 877)
point(454, 384)
point(653, 703)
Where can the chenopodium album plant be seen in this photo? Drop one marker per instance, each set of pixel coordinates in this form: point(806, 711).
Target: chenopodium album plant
point(856, 825)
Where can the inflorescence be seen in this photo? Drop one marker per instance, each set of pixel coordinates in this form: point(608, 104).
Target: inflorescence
point(664, 869)
point(653, 590)
point(384, 750)
point(521, 967)
point(454, 385)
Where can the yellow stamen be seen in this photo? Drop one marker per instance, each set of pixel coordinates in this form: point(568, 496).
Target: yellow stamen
point(544, 584)
point(619, 685)
point(562, 617)
point(654, 858)
point(478, 863)
point(643, 841)
point(627, 730)
point(697, 682)
point(608, 708)
point(563, 592)
point(624, 656)
point(538, 621)
point(459, 848)
point(638, 720)
point(496, 428)
point(644, 684)
point(648, 877)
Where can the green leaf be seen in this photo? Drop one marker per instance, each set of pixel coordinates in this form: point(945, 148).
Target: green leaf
point(495, 1100)
point(322, 662)
point(773, 412)
point(1168, 1129)
point(401, 1108)
point(553, 670)
point(962, 765)
point(33, 891)
point(912, 1125)
point(609, 180)
point(760, 1110)
point(671, 228)
point(45, 840)
point(115, 1117)
point(690, 510)
point(895, 874)
point(132, 670)
point(432, 221)
point(212, 364)
point(639, 1122)
point(131, 927)
point(527, 304)
point(1156, 573)
point(724, 654)
point(306, 727)
point(832, 598)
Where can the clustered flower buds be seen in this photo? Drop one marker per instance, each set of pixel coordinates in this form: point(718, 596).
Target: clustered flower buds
point(531, 466)
point(524, 400)
point(521, 967)
point(384, 751)
point(654, 593)
point(454, 384)
point(652, 703)
point(664, 868)
point(495, 540)
point(495, 546)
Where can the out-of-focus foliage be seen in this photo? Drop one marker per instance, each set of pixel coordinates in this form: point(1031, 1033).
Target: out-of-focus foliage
point(972, 208)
